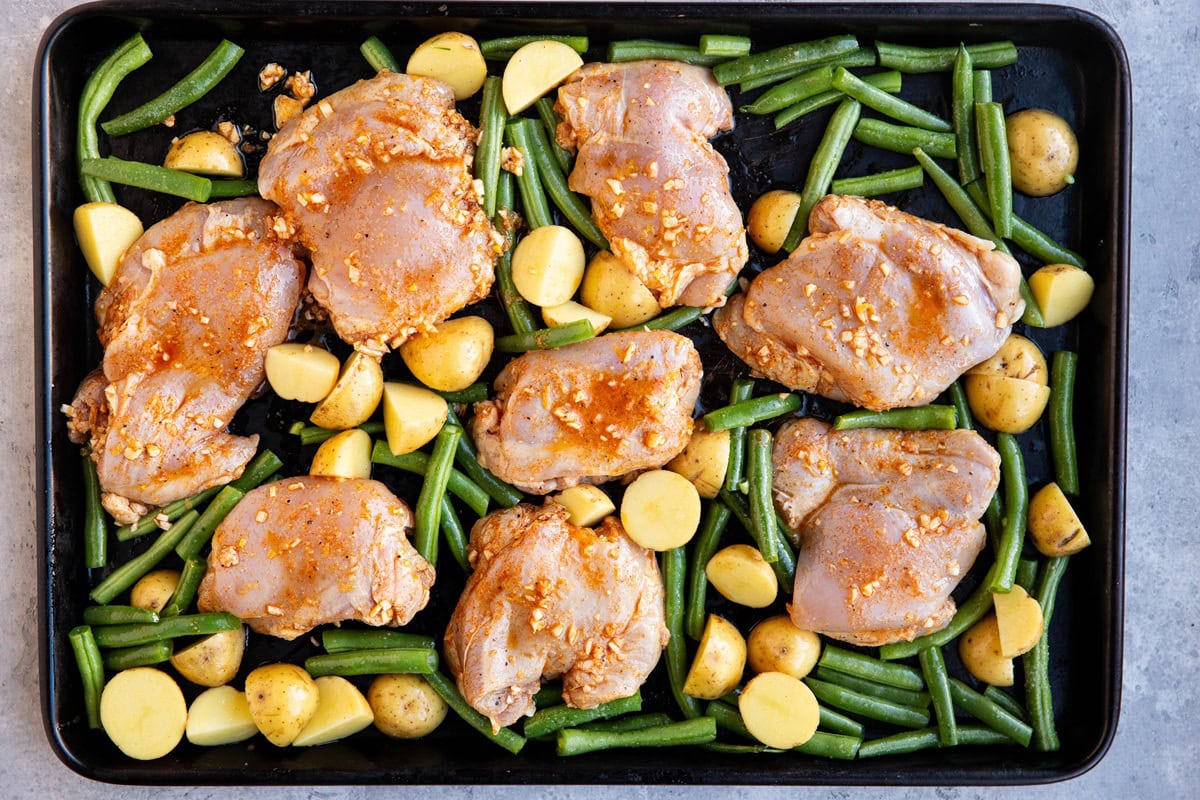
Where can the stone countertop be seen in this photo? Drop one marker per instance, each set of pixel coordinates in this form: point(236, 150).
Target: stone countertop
point(1156, 744)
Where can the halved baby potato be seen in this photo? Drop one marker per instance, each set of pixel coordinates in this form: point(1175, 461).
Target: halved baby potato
point(741, 575)
point(1017, 358)
point(282, 698)
point(1007, 405)
point(570, 311)
point(1053, 524)
point(1062, 291)
point(534, 70)
point(660, 510)
point(219, 715)
point(704, 460)
point(154, 589)
point(143, 711)
point(303, 372)
point(104, 232)
point(213, 660)
point(1018, 621)
point(979, 649)
point(205, 153)
point(453, 58)
point(719, 662)
point(611, 289)
point(770, 218)
point(452, 357)
point(412, 416)
point(779, 710)
point(588, 505)
point(344, 455)
point(354, 396)
point(547, 265)
point(341, 711)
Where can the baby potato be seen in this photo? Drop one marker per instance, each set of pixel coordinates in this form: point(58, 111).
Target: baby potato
point(341, 711)
point(205, 153)
point(452, 357)
point(741, 575)
point(412, 416)
point(660, 510)
point(1062, 291)
point(1008, 405)
point(219, 715)
point(282, 699)
point(611, 289)
point(1053, 524)
point(719, 662)
point(301, 372)
point(453, 58)
point(704, 460)
point(547, 265)
point(344, 455)
point(777, 645)
point(104, 232)
point(1019, 358)
point(1018, 621)
point(354, 396)
point(154, 589)
point(534, 70)
point(979, 649)
point(214, 660)
point(571, 311)
point(1043, 151)
point(405, 706)
point(779, 710)
point(770, 218)
point(143, 712)
point(586, 504)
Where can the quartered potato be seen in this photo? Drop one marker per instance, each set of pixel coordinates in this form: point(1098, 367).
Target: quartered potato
point(154, 589)
point(571, 311)
point(534, 70)
point(1008, 392)
point(719, 662)
point(1018, 621)
point(452, 357)
point(282, 699)
point(770, 218)
point(354, 396)
point(611, 289)
point(301, 372)
point(453, 58)
point(547, 265)
point(344, 455)
point(979, 649)
point(219, 715)
point(704, 460)
point(213, 660)
point(588, 505)
point(205, 153)
point(412, 416)
point(143, 712)
point(1053, 524)
point(1062, 291)
point(104, 232)
point(741, 575)
point(405, 706)
point(341, 712)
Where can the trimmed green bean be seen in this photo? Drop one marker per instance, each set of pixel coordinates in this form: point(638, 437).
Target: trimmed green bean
point(867, 706)
point(783, 58)
point(927, 739)
point(475, 393)
point(889, 81)
point(433, 490)
point(903, 138)
point(186, 588)
point(1005, 700)
point(762, 508)
point(963, 104)
point(962, 409)
point(172, 511)
point(1038, 696)
point(554, 181)
point(546, 338)
point(860, 57)
point(261, 467)
point(575, 741)
point(792, 91)
point(724, 45)
point(1016, 506)
point(99, 89)
point(549, 117)
point(502, 49)
point(378, 55)
point(994, 159)
point(456, 538)
point(139, 655)
point(520, 316)
point(939, 59)
point(95, 524)
point(226, 189)
point(148, 176)
point(728, 718)
point(341, 640)
point(91, 670)
point(748, 412)
point(980, 735)
point(202, 531)
point(533, 197)
point(836, 722)
point(1063, 367)
point(922, 418)
point(640, 49)
point(872, 669)
point(635, 722)
point(493, 117)
point(670, 321)
point(546, 721)
point(981, 85)
point(887, 104)
point(128, 573)
point(191, 88)
point(118, 615)
point(467, 459)
point(933, 667)
point(674, 569)
point(741, 391)
point(417, 463)
point(894, 180)
point(168, 628)
point(549, 695)
point(315, 434)
point(830, 745)
point(905, 697)
point(706, 543)
point(989, 713)
point(1026, 574)
point(1041, 246)
point(822, 167)
point(508, 739)
point(385, 661)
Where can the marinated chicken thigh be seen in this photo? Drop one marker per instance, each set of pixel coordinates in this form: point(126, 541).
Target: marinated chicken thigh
point(550, 599)
point(876, 307)
point(888, 525)
point(185, 323)
point(591, 411)
point(304, 551)
point(377, 180)
point(659, 191)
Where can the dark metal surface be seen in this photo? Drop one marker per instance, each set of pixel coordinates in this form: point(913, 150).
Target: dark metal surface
point(1070, 62)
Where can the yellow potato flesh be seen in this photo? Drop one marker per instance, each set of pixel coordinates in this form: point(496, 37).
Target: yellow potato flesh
point(1018, 621)
point(354, 396)
point(704, 460)
point(1043, 151)
point(586, 504)
point(979, 650)
point(452, 357)
point(213, 660)
point(282, 699)
point(719, 662)
point(611, 289)
point(341, 711)
point(770, 218)
point(454, 59)
point(660, 510)
point(344, 455)
point(1053, 524)
point(154, 589)
point(779, 710)
point(205, 153)
point(777, 645)
point(405, 706)
point(1017, 358)
point(301, 372)
point(1007, 405)
point(412, 416)
point(104, 232)
point(534, 70)
point(219, 716)
point(571, 311)
point(741, 575)
point(1061, 291)
point(143, 712)
point(547, 265)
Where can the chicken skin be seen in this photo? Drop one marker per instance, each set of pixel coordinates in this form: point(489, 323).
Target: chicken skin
point(550, 599)
point(376, 179)
point(876, 307)
point(185, 323)
point(304, 551)
point(591, 411)
point(659, 191)
point(888, 525)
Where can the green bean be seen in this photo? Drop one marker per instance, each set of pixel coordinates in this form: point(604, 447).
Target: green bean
point(1063, 366)
point(1037, 661)
point(191, 88)
point(728, 718)
point(385, 661)
point(635, 722)
point(118, 615)
point(724, 45)
point(168, 628)
point(554, 181)
point(836, 722)
point(894, 180)
point(261, 467)
point(1005, 700)
point(872, 669)
point(185, 589)
point(95, 526)
point(674, 569)
point(989, 713)
point(549, 695)
point(503, 48)
point(520, 316)
point(378, 55)
point(1041, 246)
point(475, 393)
point(741, 391)
point(905, 697)
point(575, 741)
point(452, 531)
point(762, 508)
point(706, 543)
point(993, 157)
point(128, 573)
point(887, 81)
point(748, 412)
point(1026, 573)
point(139, 655)
point(670, 321)
point(927, 739)
point(148, 176)
point(933, 667)
point(172, 512)
point(509, 740)
point(969, 612)
point(981, 84)
point(860, 57)
point(790, 92)
point(867, 706)
point(783, 58)
point(978, 734)
point(341, 640)
point(922, 418)
point(467, 459)
point(903, 138)
point(202, 531)
point(963, 102)
point(1016, 506)
point(493, 116)
point(417, 463)
point(223, 190)
point(640, 49)
point(546, 721)
point(91, 670)
point(433, 490)
point(546, 113)
point(99, 89)
point(546, 338)
point(962, 409)
point(940, 59)
point(887, 104)
point(315, 434)
point(824, 163)
point(533, 197)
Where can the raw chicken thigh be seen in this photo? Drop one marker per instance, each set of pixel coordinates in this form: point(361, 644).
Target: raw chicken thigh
point(550, 599)
point(304, 551)
point(876, 307)
point(660, 193)
point(888, 525)
point(377, 180)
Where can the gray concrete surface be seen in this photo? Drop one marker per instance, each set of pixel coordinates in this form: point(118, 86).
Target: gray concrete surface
point(1157, 746)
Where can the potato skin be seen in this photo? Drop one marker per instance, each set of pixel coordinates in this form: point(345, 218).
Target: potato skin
point(154, 589)
point(452, 357)
point(214, 660)
point(205, 153)
point(453, 58)
point(770, 218)
point(719, 662)
point(1043, 151)
point(1007, 405)
point(354, 397)
point(611, 289)
point(777, 645)
point(1018, 357)
point(282, 699)
point(1053, 524)
point(704, 461)
point(979, 649)
point(405, 706)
